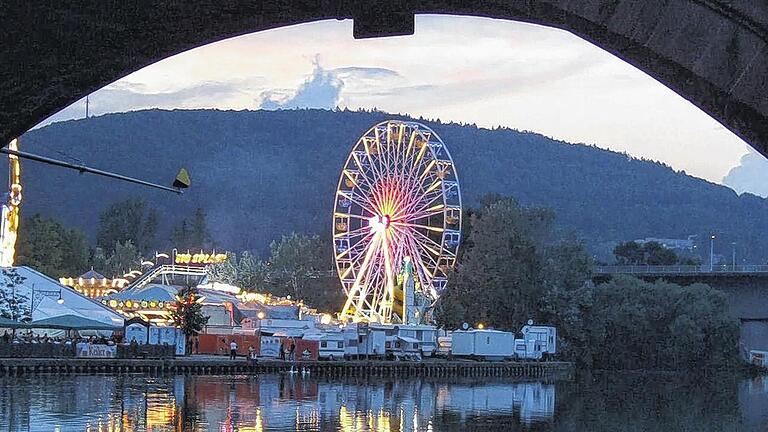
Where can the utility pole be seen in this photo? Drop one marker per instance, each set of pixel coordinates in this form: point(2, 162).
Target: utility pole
point(734, 255)
point(711, 252)
point(87, 102)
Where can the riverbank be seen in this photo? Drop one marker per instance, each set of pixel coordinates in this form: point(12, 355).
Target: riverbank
point(215, 365)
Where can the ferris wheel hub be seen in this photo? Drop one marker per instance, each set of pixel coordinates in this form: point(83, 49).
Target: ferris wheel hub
point(379, 223)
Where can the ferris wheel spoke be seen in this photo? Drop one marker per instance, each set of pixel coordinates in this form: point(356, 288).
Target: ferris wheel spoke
point(434, 246)
point(423, 204)
point(360, 201)
point(354, 233)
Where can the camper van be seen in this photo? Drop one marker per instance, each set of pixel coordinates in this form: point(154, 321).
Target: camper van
point(330, 344)
point(537, 343)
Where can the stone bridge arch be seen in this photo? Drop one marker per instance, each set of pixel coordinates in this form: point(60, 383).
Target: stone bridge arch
point(712, 52)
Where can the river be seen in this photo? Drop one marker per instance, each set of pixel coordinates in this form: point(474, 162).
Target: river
point(615, 402)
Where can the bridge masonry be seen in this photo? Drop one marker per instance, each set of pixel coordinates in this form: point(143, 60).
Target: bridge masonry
point(712, 52)
point(746, 288)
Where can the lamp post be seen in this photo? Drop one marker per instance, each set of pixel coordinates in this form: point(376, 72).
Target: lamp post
point(39, 295)
point(711, 252)
point(733, 244)
point(260, 316)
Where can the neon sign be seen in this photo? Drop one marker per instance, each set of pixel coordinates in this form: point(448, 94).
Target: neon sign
point(201, 258)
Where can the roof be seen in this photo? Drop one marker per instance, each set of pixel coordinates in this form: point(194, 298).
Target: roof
point(149, 292)
point(92, 274)
point(408, 339)
point(47, 306)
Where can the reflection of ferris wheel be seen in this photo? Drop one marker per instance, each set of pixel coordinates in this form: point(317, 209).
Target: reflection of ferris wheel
point(397, 223)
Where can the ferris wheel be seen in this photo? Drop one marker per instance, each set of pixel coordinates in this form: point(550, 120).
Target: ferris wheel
point(397, 223)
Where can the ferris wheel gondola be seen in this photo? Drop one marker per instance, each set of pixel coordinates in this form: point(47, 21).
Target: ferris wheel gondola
point(397, 223)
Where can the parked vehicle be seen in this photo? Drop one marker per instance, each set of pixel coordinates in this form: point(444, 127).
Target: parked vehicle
point(537, 343)
point(331, 344)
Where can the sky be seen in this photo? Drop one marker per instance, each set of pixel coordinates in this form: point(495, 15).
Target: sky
point(472, 70)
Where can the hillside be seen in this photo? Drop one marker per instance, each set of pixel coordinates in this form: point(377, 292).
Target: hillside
point(263, 173)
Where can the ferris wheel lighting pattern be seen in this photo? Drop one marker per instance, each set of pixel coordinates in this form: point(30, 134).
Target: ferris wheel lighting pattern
point(397, 221)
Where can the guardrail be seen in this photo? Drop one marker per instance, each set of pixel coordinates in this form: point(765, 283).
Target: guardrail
point(680, 269)
point(160, 270)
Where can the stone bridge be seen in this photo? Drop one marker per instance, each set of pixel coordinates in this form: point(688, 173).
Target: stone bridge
point(712, 52)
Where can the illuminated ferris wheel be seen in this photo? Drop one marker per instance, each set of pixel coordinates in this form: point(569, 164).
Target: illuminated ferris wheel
point(397, 223)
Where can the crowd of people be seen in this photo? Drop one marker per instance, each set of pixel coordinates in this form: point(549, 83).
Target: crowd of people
point(36, 338)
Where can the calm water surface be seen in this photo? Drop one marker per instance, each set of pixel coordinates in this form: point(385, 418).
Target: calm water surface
point(282, 403)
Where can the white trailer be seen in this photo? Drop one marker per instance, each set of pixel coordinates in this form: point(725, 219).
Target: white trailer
point(542, 339)
point(482, 344)
point(463, 343)
point(424, 335)
point(526, 349)
point(330, 344)
point(371, 340)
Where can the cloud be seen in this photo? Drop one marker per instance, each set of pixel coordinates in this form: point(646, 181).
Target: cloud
point(751, 175)
point(127, 96)
point(358, 72)
point(322, 89)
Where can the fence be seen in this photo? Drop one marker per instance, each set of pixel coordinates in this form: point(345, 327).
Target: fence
point(680, 269)
point(50, 350)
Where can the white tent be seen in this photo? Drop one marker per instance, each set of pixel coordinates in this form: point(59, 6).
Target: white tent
point(47, 298)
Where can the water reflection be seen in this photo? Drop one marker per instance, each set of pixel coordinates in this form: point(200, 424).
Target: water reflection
point(282, 403)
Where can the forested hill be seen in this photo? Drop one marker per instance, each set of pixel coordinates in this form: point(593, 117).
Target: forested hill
point(263, 173)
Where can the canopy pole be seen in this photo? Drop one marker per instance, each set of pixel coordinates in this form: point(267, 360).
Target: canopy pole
point(86, 169)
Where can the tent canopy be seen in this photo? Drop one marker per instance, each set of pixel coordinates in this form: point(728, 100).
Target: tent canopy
point(70, 322)
point(9, 323)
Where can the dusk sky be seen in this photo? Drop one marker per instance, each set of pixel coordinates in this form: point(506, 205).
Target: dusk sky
point(475, 70)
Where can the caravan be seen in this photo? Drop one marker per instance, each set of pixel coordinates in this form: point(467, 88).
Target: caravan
point(538, 342)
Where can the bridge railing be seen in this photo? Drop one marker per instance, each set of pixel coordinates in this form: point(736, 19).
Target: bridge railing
point(680, 269)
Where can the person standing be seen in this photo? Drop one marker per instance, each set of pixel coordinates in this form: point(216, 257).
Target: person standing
point(282, 351)
point(292, 352)
point(232, 350)
point(251, 355)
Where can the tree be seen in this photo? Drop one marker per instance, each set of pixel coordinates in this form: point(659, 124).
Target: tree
point(245, 271)
point(648, 253)
point(500, 279)
point(188, 315)
point(124, 258)
point(301, 265)
point(656, 254)
point(629, 253)
point(46, 245)
point(627, 323)
point(132, 220)
point(13, 304)
point(193, 234)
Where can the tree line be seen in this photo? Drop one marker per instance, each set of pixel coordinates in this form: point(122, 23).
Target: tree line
point(298, 265)
point(514, 266)
point(126, 234)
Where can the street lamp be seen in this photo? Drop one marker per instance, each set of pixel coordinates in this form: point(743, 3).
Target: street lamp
point(711, 251)
point(260, 316)
point(39, 295)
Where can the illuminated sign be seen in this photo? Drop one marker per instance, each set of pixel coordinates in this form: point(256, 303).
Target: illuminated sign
point(201, 258)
